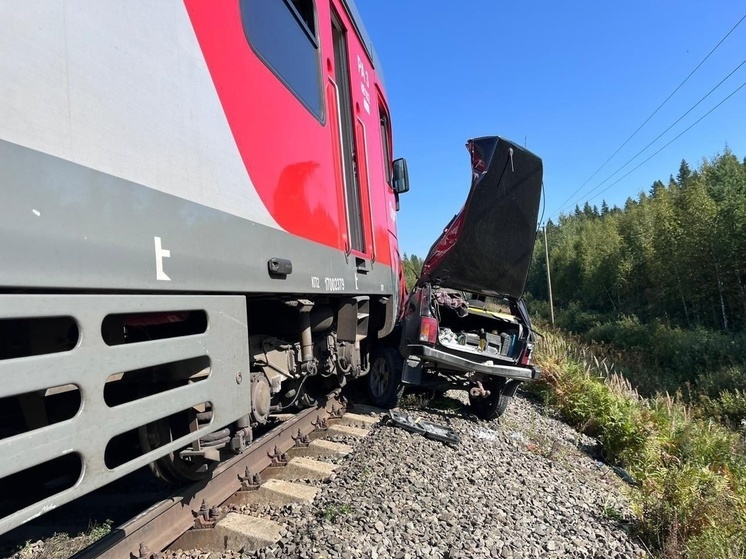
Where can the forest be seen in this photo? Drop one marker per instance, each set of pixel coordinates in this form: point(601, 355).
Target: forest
point(676, 253)
point(662, 280)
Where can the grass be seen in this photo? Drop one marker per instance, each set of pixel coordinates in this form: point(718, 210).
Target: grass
point(690, 500)
point(610, 512)
point(61, 545)
point(336, 510)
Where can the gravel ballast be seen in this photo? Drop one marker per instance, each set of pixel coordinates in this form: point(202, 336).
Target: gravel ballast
point(516, 487)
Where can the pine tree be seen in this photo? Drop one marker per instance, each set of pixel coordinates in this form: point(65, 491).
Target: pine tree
point(685, 174)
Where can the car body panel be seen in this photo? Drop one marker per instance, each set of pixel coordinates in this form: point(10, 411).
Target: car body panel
point(487, 247)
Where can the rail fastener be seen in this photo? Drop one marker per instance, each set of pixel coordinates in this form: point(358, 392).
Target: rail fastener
point(301, 440)
point(278, 458)
point(320, 424)
point(249, 481)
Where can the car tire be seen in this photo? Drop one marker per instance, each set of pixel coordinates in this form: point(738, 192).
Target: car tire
point(384, 379)
point(494, 405)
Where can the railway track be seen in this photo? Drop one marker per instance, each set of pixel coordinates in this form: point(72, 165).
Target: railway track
point(197, 505)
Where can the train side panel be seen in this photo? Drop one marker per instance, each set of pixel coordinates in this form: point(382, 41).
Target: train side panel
point(187, 239)
point(127, 94)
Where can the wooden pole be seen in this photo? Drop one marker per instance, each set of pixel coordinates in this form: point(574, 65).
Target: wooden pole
point(549, 277)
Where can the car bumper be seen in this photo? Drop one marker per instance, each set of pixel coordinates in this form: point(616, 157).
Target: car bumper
point(454, 362)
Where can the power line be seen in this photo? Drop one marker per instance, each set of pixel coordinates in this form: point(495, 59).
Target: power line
point(631, 159)
point(672, 141)
point(654, 112)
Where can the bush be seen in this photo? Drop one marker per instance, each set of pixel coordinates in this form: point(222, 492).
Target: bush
point(614, 419)
point(728, 408)
point(538, 309)
point(664, 358)
point(713, 383)
point(691, 501)
point(685, 503)
point(576, 319)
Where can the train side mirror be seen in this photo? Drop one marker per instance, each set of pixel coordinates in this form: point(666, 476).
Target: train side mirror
point(401, 176)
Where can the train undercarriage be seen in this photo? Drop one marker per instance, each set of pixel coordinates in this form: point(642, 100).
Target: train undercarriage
point(178, 383)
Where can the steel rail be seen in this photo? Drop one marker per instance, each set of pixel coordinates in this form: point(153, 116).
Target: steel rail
point(164, 522)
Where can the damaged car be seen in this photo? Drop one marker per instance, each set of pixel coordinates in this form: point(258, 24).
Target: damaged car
point(465, 324)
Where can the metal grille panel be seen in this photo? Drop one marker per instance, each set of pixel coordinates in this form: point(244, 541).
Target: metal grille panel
point(91, 362)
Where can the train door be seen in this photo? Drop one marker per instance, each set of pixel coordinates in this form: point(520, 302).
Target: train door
point(392, 201)
point(355, 196)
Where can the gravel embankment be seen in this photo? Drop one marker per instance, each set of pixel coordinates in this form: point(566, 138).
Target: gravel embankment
point(517, 487)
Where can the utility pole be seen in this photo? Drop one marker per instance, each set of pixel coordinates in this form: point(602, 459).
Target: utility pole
point(549, 277)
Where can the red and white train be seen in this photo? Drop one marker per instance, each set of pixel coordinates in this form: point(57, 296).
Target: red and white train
point(198, 226)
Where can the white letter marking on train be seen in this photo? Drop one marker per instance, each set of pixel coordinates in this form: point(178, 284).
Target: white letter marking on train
point(160, 254)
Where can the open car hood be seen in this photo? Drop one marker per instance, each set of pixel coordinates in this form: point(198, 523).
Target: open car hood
point(486, 249)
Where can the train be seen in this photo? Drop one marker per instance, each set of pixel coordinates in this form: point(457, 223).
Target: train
point(199, 230)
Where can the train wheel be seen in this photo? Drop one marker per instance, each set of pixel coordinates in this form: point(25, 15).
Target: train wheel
point(384, 379)
point(171, 468)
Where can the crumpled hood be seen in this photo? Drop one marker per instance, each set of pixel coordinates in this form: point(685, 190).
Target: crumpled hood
point(487, 247)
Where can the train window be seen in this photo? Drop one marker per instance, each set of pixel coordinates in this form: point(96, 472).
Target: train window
point(304, 8)
point(283, 34)
point(386, 144)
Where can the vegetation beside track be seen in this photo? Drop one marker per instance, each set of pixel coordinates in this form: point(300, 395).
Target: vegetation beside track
point(688, 471)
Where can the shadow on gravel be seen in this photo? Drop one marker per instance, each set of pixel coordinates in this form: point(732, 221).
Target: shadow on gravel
point(443, 406)
point(88, 518)
point(618, 520)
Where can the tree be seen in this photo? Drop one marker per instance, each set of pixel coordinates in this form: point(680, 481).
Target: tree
point(677, 252)
point(684, 175)
point(657, 188)
point(411, 270)
point(587, 210)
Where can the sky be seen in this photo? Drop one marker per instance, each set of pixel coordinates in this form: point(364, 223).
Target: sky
point(571, 80)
